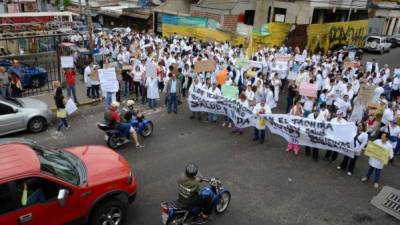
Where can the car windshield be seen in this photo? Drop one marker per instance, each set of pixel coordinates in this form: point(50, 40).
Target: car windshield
point(13, 101)
point(372, 39)
point(59, 164)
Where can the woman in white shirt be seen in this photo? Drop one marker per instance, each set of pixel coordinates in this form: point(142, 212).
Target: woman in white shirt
point(376, 165)
point(137, 76)
point(276, 82)
point(212, 117)
point(360, 141)
point(261, 109)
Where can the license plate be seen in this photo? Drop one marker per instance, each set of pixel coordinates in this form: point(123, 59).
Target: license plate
point(164, 217)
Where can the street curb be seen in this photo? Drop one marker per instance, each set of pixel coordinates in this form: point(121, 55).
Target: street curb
point(88, 102)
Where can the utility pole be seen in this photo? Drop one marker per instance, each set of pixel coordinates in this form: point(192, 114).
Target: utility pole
point(349, 15)
point(90, 27)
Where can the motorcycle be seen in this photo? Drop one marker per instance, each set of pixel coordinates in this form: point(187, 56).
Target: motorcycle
point(115, 139)
point(172, 213)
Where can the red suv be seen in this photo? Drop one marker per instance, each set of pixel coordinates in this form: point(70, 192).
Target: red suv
point(80, 185)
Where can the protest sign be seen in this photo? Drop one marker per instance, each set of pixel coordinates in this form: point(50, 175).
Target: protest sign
point(365, 94)
point(255, 64)
point(252, 73)
point(175, 69)
point(70, 107)
point(204, 66)
point(300, 58)
point(280, 66)
point(298, 130)
point(307, 89)
point(377, 152)
point(67, 62)
point(368, 66)
point(397, 72)
point(230, 91)
point(151, 70)
point(242, 63)
point(282, 57)
point(347, 64)
point(108, 80)
point(352, 55)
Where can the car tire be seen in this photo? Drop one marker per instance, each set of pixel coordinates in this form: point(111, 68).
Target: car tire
point(35, 82)
point(36, 124)
point(110, 209)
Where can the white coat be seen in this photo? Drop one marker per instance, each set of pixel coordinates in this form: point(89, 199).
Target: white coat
point(388, 147)
point(152, 88)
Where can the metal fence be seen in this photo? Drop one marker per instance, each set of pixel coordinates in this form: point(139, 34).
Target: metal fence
point(37, 71)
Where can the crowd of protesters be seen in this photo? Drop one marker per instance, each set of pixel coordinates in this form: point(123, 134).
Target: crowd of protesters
point(262, 89)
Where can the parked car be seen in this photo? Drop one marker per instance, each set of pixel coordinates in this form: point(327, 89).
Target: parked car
point(349, 48)
point(81, 29)
point(377, 44)
point(118, 30)
point(30, 76)
point(18, 114)
point(96, 26)
point(79, 185)
point(394, 40)
point(104, 30)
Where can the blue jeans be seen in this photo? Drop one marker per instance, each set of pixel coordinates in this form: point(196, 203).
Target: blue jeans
point(4, 90)
point(306, 113)
point(71, 89)
point(108, 99)
point(126, 88)
point(377, 173)
point(172, 103)
point(125, 129)
point(212, 117)
point(227, 119)
point(63, 122)
point(153, 103)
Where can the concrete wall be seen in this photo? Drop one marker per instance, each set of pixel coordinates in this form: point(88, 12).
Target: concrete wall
point(298, 12)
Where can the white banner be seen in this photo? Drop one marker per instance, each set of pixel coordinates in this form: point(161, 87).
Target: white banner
point(298, 130)
point(108, 80)
point(67, 62)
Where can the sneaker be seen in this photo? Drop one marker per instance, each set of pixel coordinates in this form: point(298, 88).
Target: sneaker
point(229, 125)
point(364, 179)
point(349, 174)
point(69, 126)
point(376, 185)
point(338, 168)
point(139, 146)
point(223, 124)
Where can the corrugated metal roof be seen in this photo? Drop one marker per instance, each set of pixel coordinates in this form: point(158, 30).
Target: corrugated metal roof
point(174, 7)
point(218, 4)
point(17, 159)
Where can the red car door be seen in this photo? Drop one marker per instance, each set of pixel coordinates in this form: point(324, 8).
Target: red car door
point(8, 204)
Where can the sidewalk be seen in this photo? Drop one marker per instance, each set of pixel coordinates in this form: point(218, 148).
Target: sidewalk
point(80, 88)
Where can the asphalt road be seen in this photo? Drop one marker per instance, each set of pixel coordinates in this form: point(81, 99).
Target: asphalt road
point(268, 185)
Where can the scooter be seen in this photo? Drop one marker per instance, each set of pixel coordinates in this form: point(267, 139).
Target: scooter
point(172, 213)
point(115, 139)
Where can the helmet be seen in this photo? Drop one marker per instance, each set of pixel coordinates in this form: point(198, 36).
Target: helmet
point(130, 103)
point(115, 104)
point(191, 170)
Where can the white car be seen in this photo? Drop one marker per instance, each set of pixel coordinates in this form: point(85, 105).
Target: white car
point(377, 44)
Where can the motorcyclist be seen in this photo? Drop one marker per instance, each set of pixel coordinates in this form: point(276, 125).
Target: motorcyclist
point(188, 189)
point(113, 118)
point(132, 112)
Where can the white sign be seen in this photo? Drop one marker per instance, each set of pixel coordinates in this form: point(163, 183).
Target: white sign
point(151, 70)
point(352, 55)
point(368, 66)
point(280, 66)
point(397, 72)
point(108, 80)
point(67, 62)
point(255, 64)
point(300, 58)
point(70, 107)
point(298, 130)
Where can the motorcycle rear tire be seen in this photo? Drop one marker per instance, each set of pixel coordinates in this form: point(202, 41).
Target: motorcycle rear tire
point(227, 194)
point(113, 141)
point(176, 220)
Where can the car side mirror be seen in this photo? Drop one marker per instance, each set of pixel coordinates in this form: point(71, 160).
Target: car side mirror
point(62, 197)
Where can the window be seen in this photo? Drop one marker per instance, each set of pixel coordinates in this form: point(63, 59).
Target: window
point(249, 17)
point(36, 190)
point(279, 14)
point(5, 109)
point(372, 39)
point(6, 199)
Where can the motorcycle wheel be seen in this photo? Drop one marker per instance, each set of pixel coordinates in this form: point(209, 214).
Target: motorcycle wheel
point(113, 141)
point(147, 130)
point(223, 203)
point(175, 221)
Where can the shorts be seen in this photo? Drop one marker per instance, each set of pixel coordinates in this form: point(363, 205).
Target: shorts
point(125, 129)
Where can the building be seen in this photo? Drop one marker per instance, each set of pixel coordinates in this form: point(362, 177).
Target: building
point(387, 16)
